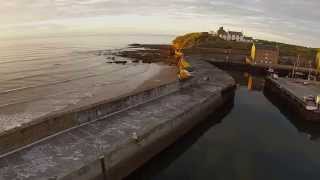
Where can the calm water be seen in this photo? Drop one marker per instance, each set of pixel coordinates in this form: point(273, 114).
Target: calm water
point(253, 141)
point(47, 49)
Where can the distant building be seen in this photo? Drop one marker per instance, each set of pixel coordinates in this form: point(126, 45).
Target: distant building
point(318, 60)
point(233, 36)
point(263, 54)
point(213, 33)
point(248, 39)
point(299, 60)
point(222, 33)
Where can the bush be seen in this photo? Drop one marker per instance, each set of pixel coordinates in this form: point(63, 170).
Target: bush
point(186, 41)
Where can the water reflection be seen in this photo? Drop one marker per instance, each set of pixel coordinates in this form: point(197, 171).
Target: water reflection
point(256, 83)
point(312, 129)
point(253, 141)
point(160, 163)
point(253, 82)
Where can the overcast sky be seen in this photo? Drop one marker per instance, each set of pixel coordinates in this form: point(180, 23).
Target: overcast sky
point(293, 21)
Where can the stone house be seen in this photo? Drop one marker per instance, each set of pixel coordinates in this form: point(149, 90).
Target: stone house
point(222, 33)
point(318, 60)
point(263, 54)
point(233, 36)
point(247, 39)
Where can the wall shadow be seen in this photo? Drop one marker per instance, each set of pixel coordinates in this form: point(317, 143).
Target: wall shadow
point(173, 152)
point(310, 128)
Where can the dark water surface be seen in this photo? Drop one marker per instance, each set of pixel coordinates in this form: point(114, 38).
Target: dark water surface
point(253, 141)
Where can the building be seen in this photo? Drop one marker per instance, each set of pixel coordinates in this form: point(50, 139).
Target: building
point(248, 39)
point(298, 60)
point(222, 33)
point(233, 36)
point(213, 33)
point(263, 54)
point(318, 60)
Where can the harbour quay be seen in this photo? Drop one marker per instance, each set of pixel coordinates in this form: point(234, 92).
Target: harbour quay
point(300, 97)
point(115, 144)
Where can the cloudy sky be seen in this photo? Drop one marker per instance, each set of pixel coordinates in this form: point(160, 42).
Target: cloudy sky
point(293, 21)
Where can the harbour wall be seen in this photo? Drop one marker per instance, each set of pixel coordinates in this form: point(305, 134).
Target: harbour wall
point(131, 154)
point(115, 145)
point(286, 99)
point(52, 124)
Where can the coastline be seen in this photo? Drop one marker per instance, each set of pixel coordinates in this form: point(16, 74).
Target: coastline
point(41, 106)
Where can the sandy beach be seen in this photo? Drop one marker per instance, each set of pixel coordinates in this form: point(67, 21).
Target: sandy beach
point(57, 86)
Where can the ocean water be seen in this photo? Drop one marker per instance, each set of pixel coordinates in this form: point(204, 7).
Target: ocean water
point(44, 75)
point(48, 49)
point(24, 58)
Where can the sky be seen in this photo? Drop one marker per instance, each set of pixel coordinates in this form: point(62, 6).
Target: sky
point(290, 21)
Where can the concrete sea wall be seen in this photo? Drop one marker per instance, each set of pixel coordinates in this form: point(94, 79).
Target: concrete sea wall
point(133, 155)
point(286, 99)
point(49, 125)
point(220, 55)
point(114, 146)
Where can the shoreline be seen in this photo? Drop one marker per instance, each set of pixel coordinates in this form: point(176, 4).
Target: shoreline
point(40, 111)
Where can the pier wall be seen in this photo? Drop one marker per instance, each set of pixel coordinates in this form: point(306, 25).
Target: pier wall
point(131, 154)
point(44, 127)
point(107, 149)
point(293, 104)
point(134, 155)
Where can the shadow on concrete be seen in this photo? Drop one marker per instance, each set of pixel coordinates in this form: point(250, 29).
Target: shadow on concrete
point(173, 152)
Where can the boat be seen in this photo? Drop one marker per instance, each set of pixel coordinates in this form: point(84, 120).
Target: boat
point(310, 103)
point(270, 70)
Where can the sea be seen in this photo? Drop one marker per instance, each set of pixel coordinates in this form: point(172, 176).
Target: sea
point(39, 76)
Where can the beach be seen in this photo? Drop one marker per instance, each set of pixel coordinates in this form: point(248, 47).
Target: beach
point(35, 88)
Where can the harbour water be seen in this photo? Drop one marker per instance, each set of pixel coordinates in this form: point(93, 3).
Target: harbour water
point(255, 140)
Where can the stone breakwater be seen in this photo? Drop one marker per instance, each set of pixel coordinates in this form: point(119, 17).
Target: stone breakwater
point(290, 93)
point(114, 145)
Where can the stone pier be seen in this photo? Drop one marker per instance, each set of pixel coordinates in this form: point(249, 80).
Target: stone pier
point(110, 140)
point(292, 93)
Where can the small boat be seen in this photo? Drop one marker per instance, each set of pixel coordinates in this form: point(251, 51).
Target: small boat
point(306, 83)
point(310, 103)
point(270, 70)
point(275, 76)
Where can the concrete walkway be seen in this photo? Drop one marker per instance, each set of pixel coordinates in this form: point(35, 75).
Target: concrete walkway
point(114, 146)
point(292, 93)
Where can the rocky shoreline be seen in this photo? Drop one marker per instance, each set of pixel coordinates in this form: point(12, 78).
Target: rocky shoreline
point(144, 53)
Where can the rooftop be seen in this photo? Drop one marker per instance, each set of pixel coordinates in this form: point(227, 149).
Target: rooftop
point(235, 33)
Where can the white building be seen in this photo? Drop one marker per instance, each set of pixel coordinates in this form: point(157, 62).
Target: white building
point(233, 36)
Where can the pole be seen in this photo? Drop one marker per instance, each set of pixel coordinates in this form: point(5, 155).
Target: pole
point(292, 75)
point(309, 75)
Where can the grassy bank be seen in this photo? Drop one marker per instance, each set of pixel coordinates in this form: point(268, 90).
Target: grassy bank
point(205, 40)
